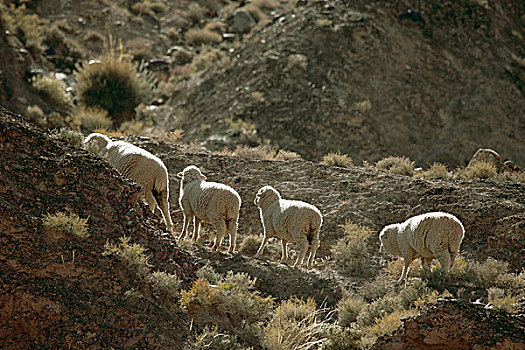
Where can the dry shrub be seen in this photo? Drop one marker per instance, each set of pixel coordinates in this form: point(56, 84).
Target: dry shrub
point(503, 300)
point(205, 59)
point(148, 8)
point(171, 136)
point(286, 155)
point(250, 244)
point(396, 165)
point(72, 137)
point(55, 120)
point(512, 176)
point(36, 114)
point(209, 274)
point(195, 12)
point(478, 171)
point(256, 12)
point(51, 88)
point(211, 338)
point(385, 324)
point(114, 84)
point(265, 4)
point(90, 118)
point(66, 52)
point(28, 27)
point(349, 308)
point(93, 36)
point(336, 159)
point(202, 36)
point(131, 254)
point(259, 152)
point(69, 224)
point(165, 286)
point(216, 26)
point(436, 171)
point(352, 253)
point(297, 324)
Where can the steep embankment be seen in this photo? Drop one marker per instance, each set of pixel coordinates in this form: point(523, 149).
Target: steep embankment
point(59, 291)
point(331, 76)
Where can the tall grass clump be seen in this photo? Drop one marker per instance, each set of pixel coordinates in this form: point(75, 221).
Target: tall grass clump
point(297, 324)
point(352, 253)
point(70, 224)
point(436, 171)
point(396, 165)
point(115, 84)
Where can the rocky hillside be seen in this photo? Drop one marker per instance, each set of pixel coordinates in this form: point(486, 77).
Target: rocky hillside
point(370, 80)
point(64, 291)
point(59, 291)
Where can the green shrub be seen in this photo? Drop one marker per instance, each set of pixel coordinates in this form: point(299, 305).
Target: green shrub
point(209, 274)
point(114, 84)
point(336, 159)
point(342, 338)
point(351, 253)
point(51, 88)
point(69, 224)
point(72, 137)
point(396, 165)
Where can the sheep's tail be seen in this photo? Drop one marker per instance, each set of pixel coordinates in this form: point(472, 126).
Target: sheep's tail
point(313, 231)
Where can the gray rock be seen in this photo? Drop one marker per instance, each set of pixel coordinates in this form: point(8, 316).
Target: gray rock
point(243, 22)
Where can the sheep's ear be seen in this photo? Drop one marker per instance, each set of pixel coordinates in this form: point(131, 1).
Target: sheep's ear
point(203, 177)
point(179, 175)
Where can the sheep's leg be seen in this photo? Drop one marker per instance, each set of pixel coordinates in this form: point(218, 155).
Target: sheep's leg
point(232, 229)
point(284, 244)
point(150, 199)
point(444, 260)
point(164, 207)
point(187, 219)
point(452, 258)
point(313, 250)
point(407, 261)
point(196, 228)
point(221, 232)
point(302, 252)
point(261, 248)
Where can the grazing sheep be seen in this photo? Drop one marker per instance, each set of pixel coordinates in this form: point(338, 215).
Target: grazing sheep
point(138, 165)
point(289, 220)
point(210, 202)
point(427, 236)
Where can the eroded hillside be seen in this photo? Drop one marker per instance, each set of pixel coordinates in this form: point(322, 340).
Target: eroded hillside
point(344, 76)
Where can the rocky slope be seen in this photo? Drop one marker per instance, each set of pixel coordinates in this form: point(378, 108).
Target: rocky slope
point(64, 292)
point(61, 292)
point(353, 77)
point(454, 324)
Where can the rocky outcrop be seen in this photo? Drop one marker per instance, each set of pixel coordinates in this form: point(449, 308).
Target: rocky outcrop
point(455, 324)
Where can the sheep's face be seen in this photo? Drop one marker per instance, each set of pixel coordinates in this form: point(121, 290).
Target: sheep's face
point(96, 142)
point(388, 238)
point(191, 173)
point(264, 194)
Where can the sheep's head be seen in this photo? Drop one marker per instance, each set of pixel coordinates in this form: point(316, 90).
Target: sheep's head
point(191, 173)
point(388, 238)
point(266, 194)
point(96, 142)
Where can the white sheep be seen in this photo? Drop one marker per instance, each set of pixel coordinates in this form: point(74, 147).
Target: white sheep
point(138, 165)
point(210, 202)
point(291, 221)
point(429, 236)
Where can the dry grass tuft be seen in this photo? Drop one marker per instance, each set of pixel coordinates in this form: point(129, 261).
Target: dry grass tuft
point(90, 118)
point(336, 159)
point(478, 171)
point(202, 36)
point(69, 224)
point(436, 171)
point(52, 88)
point(396, 165)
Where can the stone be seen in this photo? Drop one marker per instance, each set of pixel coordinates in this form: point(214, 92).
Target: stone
point(243, 22)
